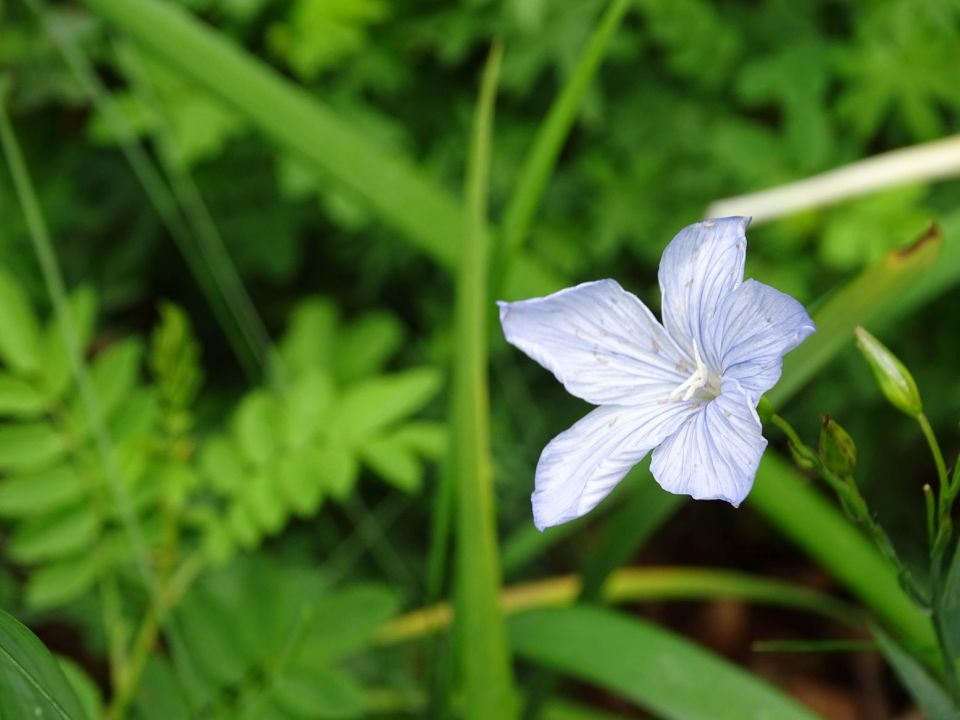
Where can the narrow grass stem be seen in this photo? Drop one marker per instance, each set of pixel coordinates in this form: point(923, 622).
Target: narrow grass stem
point(935, 451)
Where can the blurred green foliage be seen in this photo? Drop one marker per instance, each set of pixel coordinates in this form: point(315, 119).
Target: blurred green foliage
point(268, 492)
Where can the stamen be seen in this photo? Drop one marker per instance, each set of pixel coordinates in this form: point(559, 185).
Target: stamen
point(700, 378)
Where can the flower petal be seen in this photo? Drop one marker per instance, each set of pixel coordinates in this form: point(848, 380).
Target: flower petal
point(700, 266)
point(580, 466)
point(600, 341)
point(715, 453)
point(755, 326)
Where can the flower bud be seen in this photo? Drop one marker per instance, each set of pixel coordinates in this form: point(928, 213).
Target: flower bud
point(895, 380)
point(837, 449)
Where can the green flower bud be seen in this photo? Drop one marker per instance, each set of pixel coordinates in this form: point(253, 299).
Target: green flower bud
point(895, 380)
point(837, 449)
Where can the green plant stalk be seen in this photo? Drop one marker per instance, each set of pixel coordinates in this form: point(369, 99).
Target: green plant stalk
point(539, 163)
point(215, 277)
point(851, 500)
point(481, 633)
point(856, 507)
point(213, 255)
point(172, 591)
point(945, 485)
point(841, 549)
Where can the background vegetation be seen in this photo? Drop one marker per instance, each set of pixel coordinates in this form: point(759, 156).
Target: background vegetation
point(248, 441)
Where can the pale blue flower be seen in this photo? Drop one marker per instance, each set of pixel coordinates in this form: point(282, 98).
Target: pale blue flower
point(687, 389)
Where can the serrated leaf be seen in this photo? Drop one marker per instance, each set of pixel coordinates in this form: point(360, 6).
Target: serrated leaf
point(62, 582)
point(256, 428)
point(366, 346)
point(40, 492)
point(394, 461)
point(19, 339)
point(54, 536)
point(20, 398)
point(28, 446)
point(318, 692)
point(32, 685)
point(929, 695)
point(377, 403)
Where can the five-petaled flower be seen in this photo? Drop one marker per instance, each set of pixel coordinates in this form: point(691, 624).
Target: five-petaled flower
point(687, 389)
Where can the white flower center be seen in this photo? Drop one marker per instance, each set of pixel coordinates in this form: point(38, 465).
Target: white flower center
point(702, 383)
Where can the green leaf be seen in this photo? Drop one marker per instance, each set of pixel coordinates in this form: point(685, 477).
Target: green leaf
point(661, 672)
point(950, 605)
point(306, 408)
point(320, 33)
point(55, 364)
point(484, 663)
point(872, 294)
point(301, 482)
point(933, 700)
point(818, 527)
point(28, 446)
point(294, 119)
point(366, 346)
point(391, 458)
point(20, 398)
point(256, 428)
point(429, 439)
point(544, 152)
point(377, 403)
point(40, 492)
point(62, 582)
point(310, 341)
point(19, 339)
point(338, 468)
point(318, 693)
point(344, 621)
point(115, 373)
point(55, 535)
point(264, 503)
point(221, 465)
point(85, 688)
point(32, 684)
